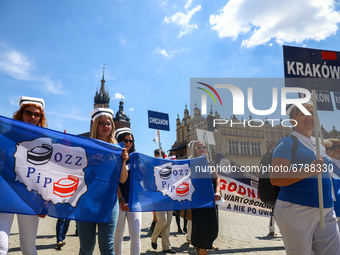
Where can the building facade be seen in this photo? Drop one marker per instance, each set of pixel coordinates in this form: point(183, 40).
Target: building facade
point(234, 138)
point(243, 141)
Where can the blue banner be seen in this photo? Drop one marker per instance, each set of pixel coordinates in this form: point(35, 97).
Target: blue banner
point(64, 176)
point(166, 185)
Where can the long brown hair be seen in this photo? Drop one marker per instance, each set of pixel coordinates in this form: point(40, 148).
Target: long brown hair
point(18, 115)
point(94, 128)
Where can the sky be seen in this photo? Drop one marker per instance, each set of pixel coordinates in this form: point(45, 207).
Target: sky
point(56, 50)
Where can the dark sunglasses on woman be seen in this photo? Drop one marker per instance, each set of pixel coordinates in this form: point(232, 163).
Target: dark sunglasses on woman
point(201, 147)
point(128, 141)
point(30, 114)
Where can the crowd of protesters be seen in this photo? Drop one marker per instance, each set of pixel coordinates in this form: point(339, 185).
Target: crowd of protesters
point(296, 210)
point(110, 235)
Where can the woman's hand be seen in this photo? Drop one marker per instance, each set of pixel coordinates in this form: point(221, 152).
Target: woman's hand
point(125, 155)
point(317, 166)
point(217, 197)
point(124, 206)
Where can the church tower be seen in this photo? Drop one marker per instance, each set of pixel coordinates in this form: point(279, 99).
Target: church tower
point(122, 120)
point(102, 100)
point(102, 97)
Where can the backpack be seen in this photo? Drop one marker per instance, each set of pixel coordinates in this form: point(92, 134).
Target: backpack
point(268, 192)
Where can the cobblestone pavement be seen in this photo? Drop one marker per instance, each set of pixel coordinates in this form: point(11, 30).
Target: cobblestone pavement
point(238, 234)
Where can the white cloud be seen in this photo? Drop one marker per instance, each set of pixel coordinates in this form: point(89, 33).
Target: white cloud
point(168, 54)
point(52, 86)
point(164, 3)
point(60, 119)
point(118, 96)
point(16, 65)
point(183, 20)
point(164, 53)
point(282, 20)
point(131, 109)
point(188, 4)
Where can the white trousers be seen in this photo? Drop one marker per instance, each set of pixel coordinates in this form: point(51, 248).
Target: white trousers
point(189, 230)
point(28, 229)
point(134, 220)
point(301, 232)
point(163, 227)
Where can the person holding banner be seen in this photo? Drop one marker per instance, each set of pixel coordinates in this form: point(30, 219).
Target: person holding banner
point(162, 225)
point(31, 111)
point(296, 209)
point(205, 220)
point(102, 129)
point(134, 219)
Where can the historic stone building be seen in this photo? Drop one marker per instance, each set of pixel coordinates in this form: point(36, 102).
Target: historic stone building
point(331, 134)
point(242, 141)
point(102, 100)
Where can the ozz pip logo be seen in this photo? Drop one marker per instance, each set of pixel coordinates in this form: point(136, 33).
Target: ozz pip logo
point(239, 99)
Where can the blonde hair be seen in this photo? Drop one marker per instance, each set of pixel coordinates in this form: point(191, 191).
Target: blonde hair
point(334, 141)
point(94, 128)
point(328, 143)
point(18, 115)
point(194, 145)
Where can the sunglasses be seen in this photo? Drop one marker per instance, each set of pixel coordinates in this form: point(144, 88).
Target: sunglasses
point(128, 141)
point(103, 124)
point(329, 148)
point(336, 146)
point(30, 114)
point(201, 147)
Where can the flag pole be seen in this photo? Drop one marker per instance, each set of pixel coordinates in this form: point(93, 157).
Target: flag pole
point(323, 144)
point(158, 133)
point(205, 137)
point(159, 143)
point(317, 146)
